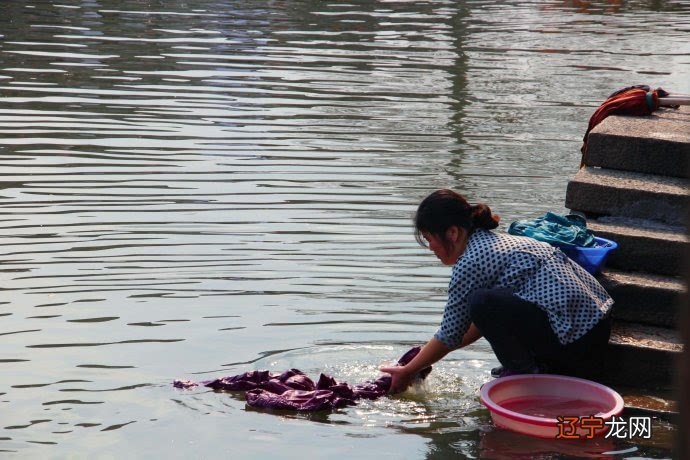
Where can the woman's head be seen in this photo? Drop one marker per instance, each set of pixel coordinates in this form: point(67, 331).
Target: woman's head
point(444, 209)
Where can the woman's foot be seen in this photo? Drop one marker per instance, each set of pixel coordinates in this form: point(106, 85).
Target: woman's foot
point(508, 372)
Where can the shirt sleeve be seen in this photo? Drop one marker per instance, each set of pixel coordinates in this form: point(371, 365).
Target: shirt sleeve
point(466, 278)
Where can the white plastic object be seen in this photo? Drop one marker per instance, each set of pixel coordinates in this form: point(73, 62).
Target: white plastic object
point(674, 100)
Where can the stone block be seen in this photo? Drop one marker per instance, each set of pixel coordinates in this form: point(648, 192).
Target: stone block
point(643, 246)
point(657, 144)
point(641, 355)
point(627, 194)
point(644, 298)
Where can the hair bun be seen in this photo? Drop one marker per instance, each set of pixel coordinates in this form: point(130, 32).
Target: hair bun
point(483, 218)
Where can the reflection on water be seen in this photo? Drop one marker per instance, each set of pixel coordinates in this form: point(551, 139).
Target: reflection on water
point(202, 188)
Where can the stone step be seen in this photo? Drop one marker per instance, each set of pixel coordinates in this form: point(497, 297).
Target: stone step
point(644, 298)
point(642, 402)
point(657, 144)
point(628, 194)
point(641, 356)
point(643, 246)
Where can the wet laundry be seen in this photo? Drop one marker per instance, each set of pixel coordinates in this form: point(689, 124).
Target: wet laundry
point(565, 231)
point(293, 390)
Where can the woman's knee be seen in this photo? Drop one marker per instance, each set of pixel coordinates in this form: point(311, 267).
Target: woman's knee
point(485, 304)
point(480, 303)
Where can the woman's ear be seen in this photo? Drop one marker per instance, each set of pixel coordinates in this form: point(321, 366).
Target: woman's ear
point(456, 234)
point(453, 234)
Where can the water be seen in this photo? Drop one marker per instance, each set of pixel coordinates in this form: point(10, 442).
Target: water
point(555, 406)
point(193, 189)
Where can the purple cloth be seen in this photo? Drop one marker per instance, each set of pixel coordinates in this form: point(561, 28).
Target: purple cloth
point(292, 390)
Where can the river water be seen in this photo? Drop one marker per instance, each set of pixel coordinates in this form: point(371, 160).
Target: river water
point(198, 188)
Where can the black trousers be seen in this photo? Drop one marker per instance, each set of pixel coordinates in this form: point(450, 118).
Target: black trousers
point(522, 338)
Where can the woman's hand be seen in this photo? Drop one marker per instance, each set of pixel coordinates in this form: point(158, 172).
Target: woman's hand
point(404, 375)
point(401, 378)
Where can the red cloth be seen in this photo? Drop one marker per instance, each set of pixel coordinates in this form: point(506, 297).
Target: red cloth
point(634, 100)
point(292, 390)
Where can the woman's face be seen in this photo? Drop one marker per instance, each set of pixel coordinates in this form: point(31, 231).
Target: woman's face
point(449, 251)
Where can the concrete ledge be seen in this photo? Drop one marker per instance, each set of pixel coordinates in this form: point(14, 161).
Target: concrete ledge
point(641, 355)
point(644, 298)
point(657, 144)
point(628, 194)
point(643, 246)
point(641, 402)
point(635, 189)
point(645, 337)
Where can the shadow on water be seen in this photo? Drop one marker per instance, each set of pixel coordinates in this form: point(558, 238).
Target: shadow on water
point(495, 443)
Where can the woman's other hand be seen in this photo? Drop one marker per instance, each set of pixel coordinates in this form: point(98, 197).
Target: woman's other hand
point(404, 375)
point(401, 378)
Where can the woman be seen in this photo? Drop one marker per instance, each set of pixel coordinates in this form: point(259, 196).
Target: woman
point(539, 310)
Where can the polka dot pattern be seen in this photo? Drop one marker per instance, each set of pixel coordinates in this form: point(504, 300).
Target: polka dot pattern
point(573, 300)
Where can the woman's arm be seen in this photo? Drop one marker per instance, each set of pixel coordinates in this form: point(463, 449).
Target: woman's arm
point(430, 353)
point(472, 335)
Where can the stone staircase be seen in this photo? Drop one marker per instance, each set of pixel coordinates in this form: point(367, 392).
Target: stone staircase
point(635, 189)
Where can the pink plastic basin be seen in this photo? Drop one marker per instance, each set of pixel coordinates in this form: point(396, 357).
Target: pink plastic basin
point(531, 403)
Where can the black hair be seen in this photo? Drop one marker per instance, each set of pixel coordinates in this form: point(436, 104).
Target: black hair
point(444, 208)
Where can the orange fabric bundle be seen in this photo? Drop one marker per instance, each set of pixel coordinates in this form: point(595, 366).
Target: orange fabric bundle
point(633, 100)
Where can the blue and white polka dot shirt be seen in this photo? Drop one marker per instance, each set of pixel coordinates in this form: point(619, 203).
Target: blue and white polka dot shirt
point(573, 300)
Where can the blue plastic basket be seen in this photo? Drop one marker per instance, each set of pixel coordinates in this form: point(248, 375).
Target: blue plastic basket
point(591, 259)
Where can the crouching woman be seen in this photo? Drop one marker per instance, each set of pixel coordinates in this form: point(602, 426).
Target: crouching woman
point(539, 311)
